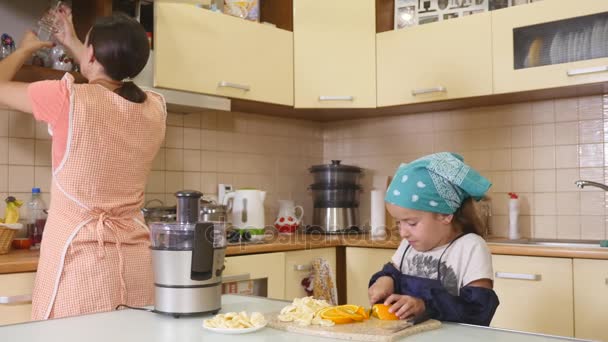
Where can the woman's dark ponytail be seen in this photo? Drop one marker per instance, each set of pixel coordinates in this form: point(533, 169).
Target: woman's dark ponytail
point(121, 46)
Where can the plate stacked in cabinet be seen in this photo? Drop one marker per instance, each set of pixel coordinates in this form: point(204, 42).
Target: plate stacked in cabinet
point(335, 191)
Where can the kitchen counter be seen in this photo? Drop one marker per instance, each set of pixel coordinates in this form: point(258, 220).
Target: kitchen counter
point(136, 325)
point(27, 261)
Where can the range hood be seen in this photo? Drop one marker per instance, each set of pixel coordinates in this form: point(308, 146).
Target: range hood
point(180, 101)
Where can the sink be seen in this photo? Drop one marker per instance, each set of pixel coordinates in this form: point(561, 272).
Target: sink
point(550, 242)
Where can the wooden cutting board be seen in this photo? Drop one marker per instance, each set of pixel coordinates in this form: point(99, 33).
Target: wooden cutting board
point(371, 329)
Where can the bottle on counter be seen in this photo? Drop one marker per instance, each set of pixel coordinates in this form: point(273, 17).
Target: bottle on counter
point(36, 218)
point(513, 216)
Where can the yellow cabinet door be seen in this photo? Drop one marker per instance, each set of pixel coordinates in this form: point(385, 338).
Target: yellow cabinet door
point(298, 266)
point(445, 60)
point(590, 299)
point(509, 79)
point(201, 51)
point(361, 264)
point(15, 307)
point(535, 294)
point(334, 53)
point(259, 266)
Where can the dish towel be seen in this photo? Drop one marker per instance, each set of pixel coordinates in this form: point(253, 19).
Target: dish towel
point(320, 283)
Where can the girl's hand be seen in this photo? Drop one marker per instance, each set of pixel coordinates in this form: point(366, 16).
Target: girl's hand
point(30, 43)
point(66, 34)
point(405, 306)
point(382, 288)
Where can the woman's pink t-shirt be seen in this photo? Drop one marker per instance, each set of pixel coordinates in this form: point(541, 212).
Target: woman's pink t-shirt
point(51, 104)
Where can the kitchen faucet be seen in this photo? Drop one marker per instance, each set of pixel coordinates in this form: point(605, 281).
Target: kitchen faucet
point(582, 183)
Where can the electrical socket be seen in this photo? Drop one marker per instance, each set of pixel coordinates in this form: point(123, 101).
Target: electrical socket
point(222, 190)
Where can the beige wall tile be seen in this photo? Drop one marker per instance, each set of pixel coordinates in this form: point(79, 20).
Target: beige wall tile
point(3, 177)
point(174, 181)
point(209, 119)
point(521, 136)
point(176, 120)
point(592, 228)
point(544, 181)
point(21, 151)
point(159, 160)
point(526, 203)
point(499, 225)
point(592, 203)
point(501, 181)
point(21, 125)
point(568, 227)
point(43, 153)
point(209, 140)
point(192, 120)
point(566, 133)
point(225, 141)
point(523, 181)
point(225, 162)
point(192, 180)
point(479, 160)
point(210, 180)
point(544, 204)
point(595, 174)
point(501, 137)
point(442, 121)
point(174, 159)
point(4, 119)
point(590, 107)
point(3, 150)
point(545, 227)
point(566, 109)
point(525, 226)
point(521, 113)
point(543, 112)
point(174, 137)
point(43, 178)
point(591, 131)
point(522, 158)
point(20, 178)
point(156, 182)
point(591, 155)
point(544, 157)
point(543, 135)
point(566, 156)
point(209, 161)
point(568, 203)
point(192, 138)
point(192, 160)
point(566, 179)
point(501, 160)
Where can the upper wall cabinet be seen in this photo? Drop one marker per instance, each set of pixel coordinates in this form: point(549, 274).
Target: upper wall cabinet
point(334, 49)
point(551, 43)
point(206, 52)
point(444, 60)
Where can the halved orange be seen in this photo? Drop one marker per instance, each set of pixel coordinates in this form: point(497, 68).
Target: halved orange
point(380, 311)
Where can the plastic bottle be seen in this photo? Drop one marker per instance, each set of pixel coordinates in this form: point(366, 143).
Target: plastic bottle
point(513, 216)
point(36, 218)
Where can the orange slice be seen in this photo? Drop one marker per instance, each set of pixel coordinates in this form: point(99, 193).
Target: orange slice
point(380, 311)
point(343, 314)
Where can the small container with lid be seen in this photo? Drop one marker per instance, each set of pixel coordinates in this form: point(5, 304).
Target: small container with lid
point(335, 174)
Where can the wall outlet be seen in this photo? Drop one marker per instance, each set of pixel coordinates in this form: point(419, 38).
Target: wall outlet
point(222, 190)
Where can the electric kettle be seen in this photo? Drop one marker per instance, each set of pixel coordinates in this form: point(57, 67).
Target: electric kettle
point(246, 211)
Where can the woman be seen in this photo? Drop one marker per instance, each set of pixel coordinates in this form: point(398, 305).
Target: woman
point(443, 268)
point(94, 254)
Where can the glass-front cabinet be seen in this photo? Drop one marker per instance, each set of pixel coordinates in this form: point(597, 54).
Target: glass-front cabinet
point(552, 43)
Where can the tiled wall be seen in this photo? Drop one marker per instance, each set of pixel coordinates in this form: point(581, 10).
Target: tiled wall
point(245, 150)
point(537, 149)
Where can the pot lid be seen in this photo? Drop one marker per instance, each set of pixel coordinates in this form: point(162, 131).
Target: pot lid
point(335, 166)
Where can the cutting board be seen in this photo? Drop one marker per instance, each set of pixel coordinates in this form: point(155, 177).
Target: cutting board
point(371, 329)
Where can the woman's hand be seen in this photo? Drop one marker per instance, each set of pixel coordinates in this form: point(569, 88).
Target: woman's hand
point(405, 306)
point(66, 34)
point(382, 288)
point(30, 43)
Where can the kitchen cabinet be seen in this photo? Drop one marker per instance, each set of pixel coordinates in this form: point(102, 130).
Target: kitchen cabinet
point(201, 51)
point(444, 60)
point(259, 266)
point(535, 294)
point(590, 299)
point(550, 44)
point(361, 264)
point(334, 53)
point(12, 287)
point(298, 266)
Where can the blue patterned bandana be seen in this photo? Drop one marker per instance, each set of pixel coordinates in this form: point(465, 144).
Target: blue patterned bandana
point(437, 183)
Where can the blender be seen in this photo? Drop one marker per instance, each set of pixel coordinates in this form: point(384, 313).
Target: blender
point(188, 260)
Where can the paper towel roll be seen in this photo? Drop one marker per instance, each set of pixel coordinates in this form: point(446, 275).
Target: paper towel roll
point(378, 216)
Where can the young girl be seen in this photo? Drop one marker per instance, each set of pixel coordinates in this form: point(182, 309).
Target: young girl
point(443, 268)
point(94, 254)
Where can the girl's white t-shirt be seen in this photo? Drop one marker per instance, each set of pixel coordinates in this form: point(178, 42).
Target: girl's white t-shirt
point(466, 260)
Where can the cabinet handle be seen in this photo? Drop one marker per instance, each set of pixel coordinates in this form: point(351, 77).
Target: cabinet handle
point(585, 71)
point(302, 267)
point(235, 278)
point(519, 276)
point(224, 84)
point(16, 299)
point(439, 89)
point(336, 98)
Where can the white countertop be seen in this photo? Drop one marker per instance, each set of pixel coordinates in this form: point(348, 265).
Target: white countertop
point(136, 325)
